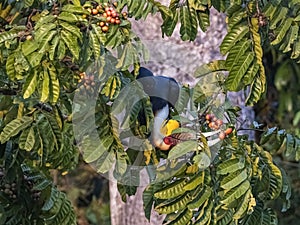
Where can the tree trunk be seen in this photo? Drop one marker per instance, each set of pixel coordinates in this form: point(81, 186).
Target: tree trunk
point(130, 212)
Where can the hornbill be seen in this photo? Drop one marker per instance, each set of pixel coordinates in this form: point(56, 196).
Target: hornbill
point(164, 93)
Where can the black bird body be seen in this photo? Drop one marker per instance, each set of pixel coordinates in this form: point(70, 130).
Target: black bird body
point(163, 92)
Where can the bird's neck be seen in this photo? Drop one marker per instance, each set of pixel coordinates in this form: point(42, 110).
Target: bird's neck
point(157, 136)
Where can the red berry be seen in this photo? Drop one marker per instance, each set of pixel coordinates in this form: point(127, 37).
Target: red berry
point(94, 11)
point(212, 125)
point(112, 20)
point(104, 28)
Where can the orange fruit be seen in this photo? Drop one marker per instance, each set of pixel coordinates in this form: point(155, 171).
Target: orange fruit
point(228, 130)
point(104, 28)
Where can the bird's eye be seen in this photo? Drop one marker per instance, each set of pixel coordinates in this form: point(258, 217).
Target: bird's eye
point(168, 140)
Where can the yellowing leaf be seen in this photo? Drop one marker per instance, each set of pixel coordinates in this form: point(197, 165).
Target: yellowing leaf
point(30, 84)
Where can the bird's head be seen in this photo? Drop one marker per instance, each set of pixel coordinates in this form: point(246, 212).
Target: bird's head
point(162, 130)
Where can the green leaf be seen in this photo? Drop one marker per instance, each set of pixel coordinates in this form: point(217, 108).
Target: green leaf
point(172, 190)
point(112, 87)
point(72, 29)
point(10, 66)
point(173, 206)
point(236, 193)
point(93, 148)
point(95, 45)
point(71, 42)
point(234, 35)
point(98, 32)
point(250, 74)
point(45, 20)
point(182, 218)
point(243, 206)
point(14, 127)
point(185, 19)
point(105, 162)
point(30, 84)
point(203, 19)
point(282, 30)
point(195, 181)
point(44, 42)
point(76, 9)
point(55, 129)
point(163, 9)
point(133, 6)
point(205, 214)
point(61, 50)
point(45, 86)
point(202, 160)
point(54, 87)
point(148, 200)
point(234, 179)
point(202, 197)
point(138, 13)
point(237, 72)
point(27, 139)
point(279, 15)
point(68, 17)
point(169, 23)
point(296, 49)
point(35, 58)
point(193, 24)
point(290, 142)
point(29, 47)
point(53, 47)
point(128, 57)
point(182, 148)
point(256, 90)
point(230, 166)
point(43, 32)
point(236, 52)
point(289, 39)
point(8, 35)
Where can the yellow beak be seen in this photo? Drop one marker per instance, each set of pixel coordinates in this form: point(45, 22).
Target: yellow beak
point(169, 126)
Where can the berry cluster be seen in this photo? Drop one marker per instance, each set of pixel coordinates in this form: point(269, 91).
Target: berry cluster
point(86, 83)
point(106, 14)
point(35, 194)
point(9, 189)
point(215, 124)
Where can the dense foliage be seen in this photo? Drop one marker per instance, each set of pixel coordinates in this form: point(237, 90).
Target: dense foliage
point(64, 69)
